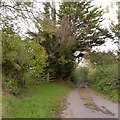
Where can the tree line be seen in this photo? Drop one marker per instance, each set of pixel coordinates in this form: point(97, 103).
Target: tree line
point(76, 26)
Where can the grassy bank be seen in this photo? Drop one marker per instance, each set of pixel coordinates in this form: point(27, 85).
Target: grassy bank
point(38, 101)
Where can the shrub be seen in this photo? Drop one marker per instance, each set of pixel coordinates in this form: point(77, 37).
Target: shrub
point(22, 59)
point(104, 73)
point(10, 87)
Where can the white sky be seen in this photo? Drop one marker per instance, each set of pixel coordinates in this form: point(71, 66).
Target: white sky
point(111, 4)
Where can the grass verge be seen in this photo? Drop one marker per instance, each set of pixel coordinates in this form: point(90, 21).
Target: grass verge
point(38, 101)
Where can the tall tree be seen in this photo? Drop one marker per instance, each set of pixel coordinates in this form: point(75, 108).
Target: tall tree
point(84, 23)
point(78, 28)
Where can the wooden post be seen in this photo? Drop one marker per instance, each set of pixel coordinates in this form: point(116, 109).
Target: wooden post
point(47, 77)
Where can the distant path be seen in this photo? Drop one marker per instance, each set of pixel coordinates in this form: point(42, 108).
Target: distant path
point(85, 103)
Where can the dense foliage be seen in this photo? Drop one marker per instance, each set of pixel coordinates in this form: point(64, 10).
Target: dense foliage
point(77, 28)
point(104, 77)
point(22, 59)
point(101, 73)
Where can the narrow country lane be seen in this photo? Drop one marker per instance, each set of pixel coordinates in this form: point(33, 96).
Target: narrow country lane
point(85, 103)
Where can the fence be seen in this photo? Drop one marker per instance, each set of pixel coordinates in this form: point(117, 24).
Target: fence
point(48, 77)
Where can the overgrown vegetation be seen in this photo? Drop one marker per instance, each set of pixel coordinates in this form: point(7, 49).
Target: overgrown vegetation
point(104, 77)
point(52, 47)
point(102, 73)
point(22, 60)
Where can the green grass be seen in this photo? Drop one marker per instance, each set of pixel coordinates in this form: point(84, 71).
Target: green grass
point(38, 101)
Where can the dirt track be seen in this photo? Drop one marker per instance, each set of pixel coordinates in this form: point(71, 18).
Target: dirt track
point(85, 103)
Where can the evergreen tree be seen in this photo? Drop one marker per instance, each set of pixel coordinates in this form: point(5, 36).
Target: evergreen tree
point(78, 28)
point(84, 23)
